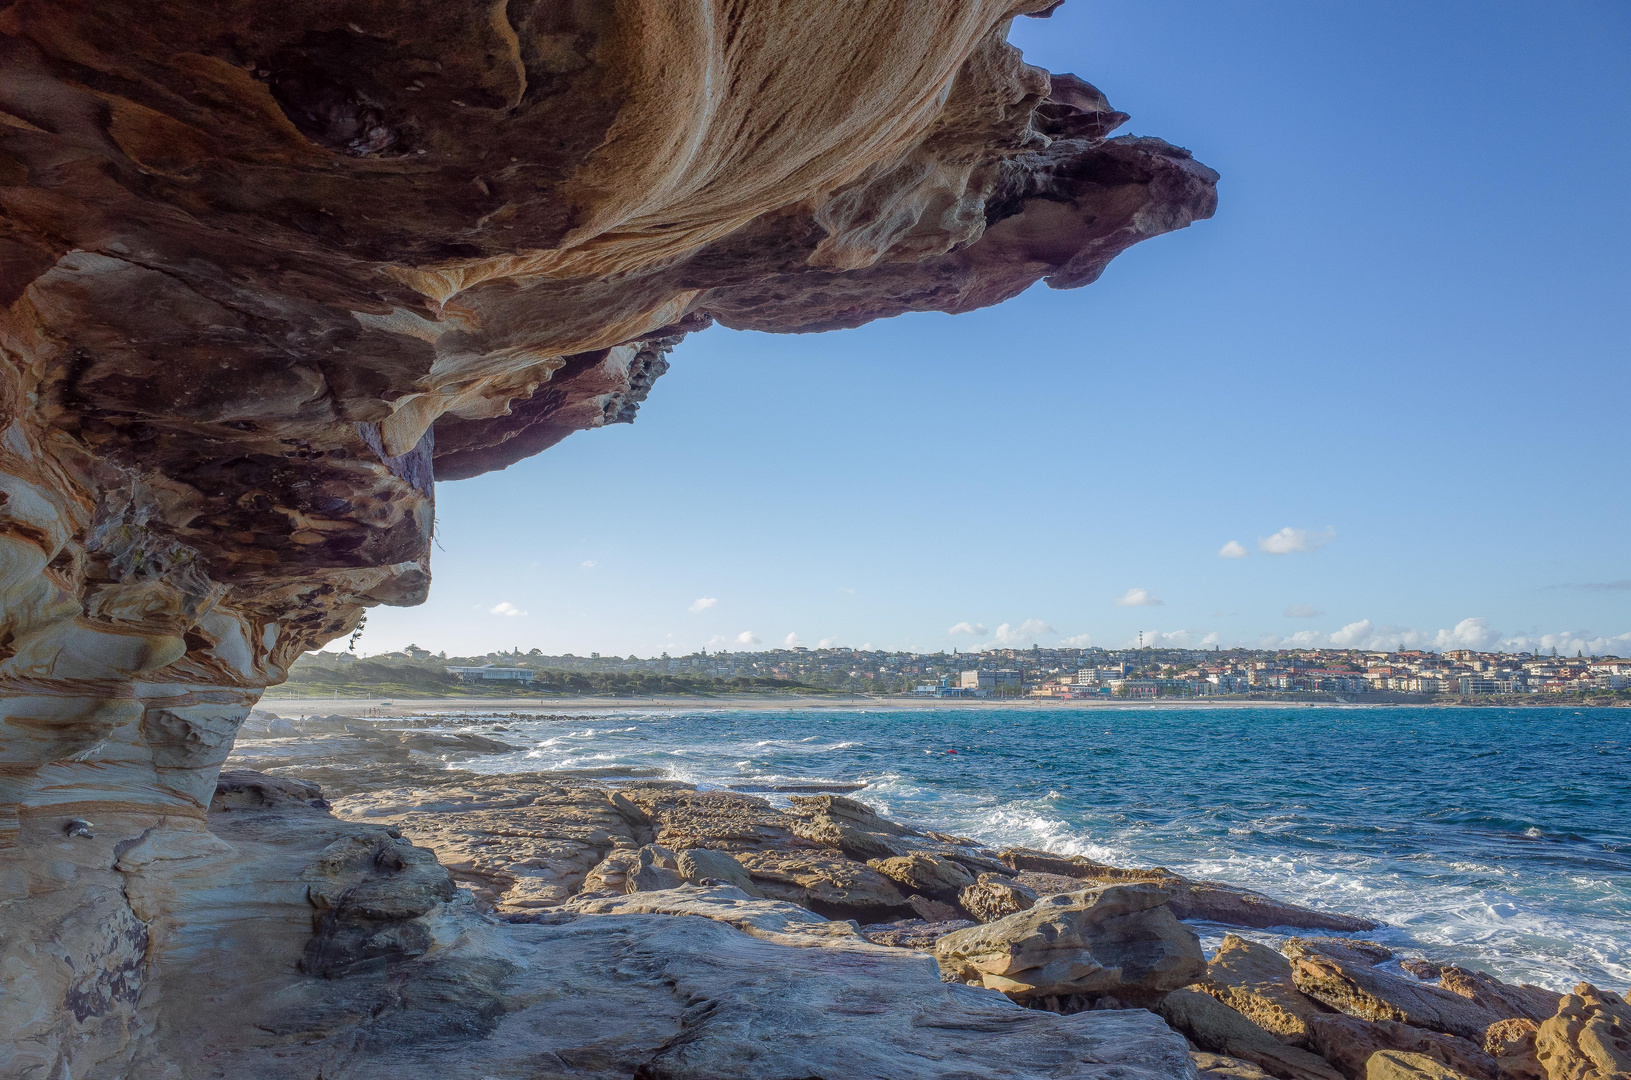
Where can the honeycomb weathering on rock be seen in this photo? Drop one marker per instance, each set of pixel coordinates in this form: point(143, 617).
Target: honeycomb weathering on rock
point(266, 271)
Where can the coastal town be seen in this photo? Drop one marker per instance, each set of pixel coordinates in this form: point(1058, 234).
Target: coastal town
point(1035, 673)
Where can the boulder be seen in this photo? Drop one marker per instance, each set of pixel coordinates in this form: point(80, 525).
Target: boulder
point(1588, 1039)
point(655, 869)
point(1372, 994)
point(1213, 1026)
point(994, 897)
point(699, 866)
point(1399, 1065)
point(1348, 1043)
point(937, 878)
point(368, 891)
point(1115, 940)
point(1255, 981)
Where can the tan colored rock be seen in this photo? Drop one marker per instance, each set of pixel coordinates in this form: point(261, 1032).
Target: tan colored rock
point(1588, 1039)
point(699, 866)
point(1213, 1026)
point(522, 843)
point(1399, 1065)
point(1115, 940)
point(937, 878)
point(993, 897)
point(824, 882)
point(1207, 900)
point(655, 869)
point(1355, 952)
point(1512, 1044)
point(1255, 981)
point(1505, 999)
point(1348, 1043)
point(1223, 1067)
point(1371, 994)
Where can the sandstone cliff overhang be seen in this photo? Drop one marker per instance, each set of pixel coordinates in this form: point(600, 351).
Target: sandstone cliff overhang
point(269, 270)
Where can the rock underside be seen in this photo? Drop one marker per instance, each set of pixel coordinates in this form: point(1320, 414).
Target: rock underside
point(267, 271)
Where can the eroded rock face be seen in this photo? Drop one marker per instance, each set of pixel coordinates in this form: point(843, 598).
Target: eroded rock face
point(267, 271)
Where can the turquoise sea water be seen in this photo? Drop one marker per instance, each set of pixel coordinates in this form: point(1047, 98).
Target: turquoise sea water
point(1496, 838)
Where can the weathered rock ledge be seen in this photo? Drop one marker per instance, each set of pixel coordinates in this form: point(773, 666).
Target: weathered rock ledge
point(1063, 936)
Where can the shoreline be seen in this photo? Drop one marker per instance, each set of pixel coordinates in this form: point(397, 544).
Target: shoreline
point(400, 706)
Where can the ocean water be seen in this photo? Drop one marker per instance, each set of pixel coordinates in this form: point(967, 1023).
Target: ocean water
point(1499, 839)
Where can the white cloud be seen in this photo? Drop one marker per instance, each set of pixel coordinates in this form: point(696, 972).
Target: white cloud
point(703, 603)
point(1138, 598)
point(589, 564)
point(1026, 632)
point(1468, 634)
point(1289, 541)
point(1302, 611)
point(826, 643)
point(973, 629)
point(792, 641)
point(1211, 639)
point(747, 637)
point(1077, 641)
point(1355, 635)
point(1234, 549)
point(507, 608)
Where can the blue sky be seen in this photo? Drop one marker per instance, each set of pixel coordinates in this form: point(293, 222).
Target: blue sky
point(1393, 370)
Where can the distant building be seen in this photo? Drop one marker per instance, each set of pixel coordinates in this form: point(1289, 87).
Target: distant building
point(986, 682)
point(491, 673)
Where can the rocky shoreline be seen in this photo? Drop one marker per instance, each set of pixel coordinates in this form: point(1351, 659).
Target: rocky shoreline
point(1063, 936)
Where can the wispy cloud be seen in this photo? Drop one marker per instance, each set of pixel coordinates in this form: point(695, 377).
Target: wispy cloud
point(972, 629)
point(747, 637)
point(703, 603)
point(1138, 598)
point(588, 564)
point(1077, 641)
point(792, 641)
point(1289, 541)
point(507, 608)
point(1302, 611)
point(1234, 549)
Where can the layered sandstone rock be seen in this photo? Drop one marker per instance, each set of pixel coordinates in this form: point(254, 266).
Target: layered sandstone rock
point(1115, 941)
point(268, 271)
